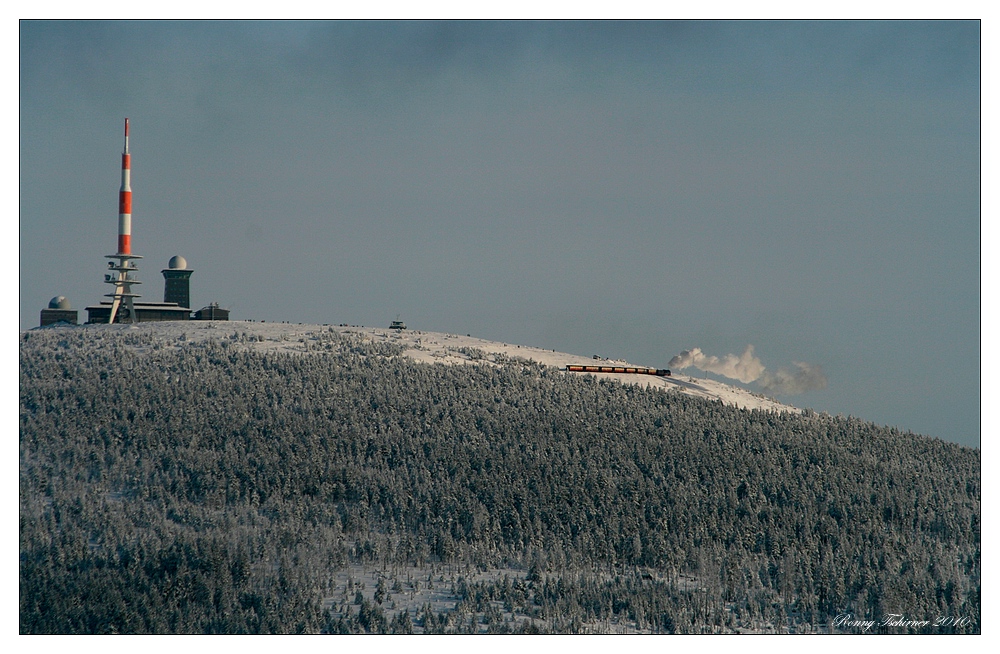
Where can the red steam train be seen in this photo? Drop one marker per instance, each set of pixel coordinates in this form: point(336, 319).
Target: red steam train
point(628, 370)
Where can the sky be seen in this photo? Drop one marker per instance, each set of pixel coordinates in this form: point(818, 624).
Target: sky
point(798, 202)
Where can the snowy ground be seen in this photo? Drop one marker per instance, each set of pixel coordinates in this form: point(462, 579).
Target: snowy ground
point(435, 348)
point(446, 348)
point(412, 588)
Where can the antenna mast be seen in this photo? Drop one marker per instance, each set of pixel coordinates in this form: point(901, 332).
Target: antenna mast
point(123, 268)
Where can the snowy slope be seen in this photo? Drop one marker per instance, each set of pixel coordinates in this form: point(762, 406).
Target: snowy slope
point(427, 347)
point(447, 348)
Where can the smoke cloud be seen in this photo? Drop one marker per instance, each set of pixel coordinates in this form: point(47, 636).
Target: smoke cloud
point(747, 368)
point(805, 377)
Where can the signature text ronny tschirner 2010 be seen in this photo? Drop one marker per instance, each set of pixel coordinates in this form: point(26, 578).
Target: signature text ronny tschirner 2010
point(898, 620)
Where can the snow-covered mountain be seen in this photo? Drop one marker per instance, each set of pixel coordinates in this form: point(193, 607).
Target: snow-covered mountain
point(354, 480)
point(439, 348)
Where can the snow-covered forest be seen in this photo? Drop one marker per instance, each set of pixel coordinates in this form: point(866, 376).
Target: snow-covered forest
point(171, 484)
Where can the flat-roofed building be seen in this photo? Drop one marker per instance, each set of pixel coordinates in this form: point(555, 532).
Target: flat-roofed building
point(144, 312)
point(211, 312)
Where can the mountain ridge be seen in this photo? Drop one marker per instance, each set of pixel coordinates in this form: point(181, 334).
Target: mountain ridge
point(450, 349)
point(189, 479)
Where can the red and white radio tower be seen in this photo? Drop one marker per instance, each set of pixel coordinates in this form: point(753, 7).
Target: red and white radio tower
point(122, 261)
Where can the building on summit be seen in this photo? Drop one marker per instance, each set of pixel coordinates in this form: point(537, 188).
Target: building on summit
point(177, 277)
point(211, 312)
point(175, 306)
point(123, 305)
point(59, 311)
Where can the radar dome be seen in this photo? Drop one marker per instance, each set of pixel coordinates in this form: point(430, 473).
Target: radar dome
point(178, 262)
point(59, 302)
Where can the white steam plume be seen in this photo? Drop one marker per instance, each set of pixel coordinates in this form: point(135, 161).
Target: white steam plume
point(748, 368)
point(805, 377)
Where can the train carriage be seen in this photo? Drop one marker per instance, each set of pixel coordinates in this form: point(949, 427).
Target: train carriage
point(627, 370)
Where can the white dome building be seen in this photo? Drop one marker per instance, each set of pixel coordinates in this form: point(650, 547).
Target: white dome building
point(58, 311)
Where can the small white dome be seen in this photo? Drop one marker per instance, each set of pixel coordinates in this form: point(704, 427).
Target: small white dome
point(177, 262)
point(59, 302)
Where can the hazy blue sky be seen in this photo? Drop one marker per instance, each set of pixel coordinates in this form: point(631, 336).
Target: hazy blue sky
point(627, 189)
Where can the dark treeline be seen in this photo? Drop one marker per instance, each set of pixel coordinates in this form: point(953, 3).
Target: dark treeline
point(178, 487)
